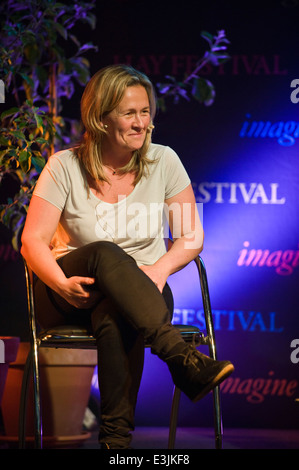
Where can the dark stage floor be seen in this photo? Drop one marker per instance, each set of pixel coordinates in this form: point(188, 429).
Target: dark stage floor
point(198, 438)
point(187, 438)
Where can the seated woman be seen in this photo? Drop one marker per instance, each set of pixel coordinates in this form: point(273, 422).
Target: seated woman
point(94, 238)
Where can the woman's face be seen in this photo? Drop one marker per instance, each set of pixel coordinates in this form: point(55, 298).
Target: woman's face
point(127, 124)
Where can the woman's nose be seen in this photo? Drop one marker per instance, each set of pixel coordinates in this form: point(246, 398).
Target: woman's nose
point(138, 122)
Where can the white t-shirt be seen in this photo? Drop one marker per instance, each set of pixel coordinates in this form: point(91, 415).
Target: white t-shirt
point(135, 222)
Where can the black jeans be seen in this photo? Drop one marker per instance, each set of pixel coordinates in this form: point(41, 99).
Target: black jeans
point(130, 311)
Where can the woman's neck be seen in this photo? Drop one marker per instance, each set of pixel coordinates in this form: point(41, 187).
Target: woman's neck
point(114, 159)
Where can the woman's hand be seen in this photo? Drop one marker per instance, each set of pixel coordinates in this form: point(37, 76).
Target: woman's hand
point(77, 291)
point(156, 275)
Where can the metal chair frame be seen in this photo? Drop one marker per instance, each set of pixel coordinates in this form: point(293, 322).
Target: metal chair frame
point(80, 338)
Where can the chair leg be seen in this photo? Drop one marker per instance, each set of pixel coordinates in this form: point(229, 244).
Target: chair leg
point(24, 400)
point(36, 399)
point(216, 399)
point(34, 360)
point(174, 417)
point(217, 418)
point(216, 403)
point(212, 348)
point(30, 371)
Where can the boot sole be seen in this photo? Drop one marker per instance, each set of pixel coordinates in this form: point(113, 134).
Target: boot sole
point(226, 371)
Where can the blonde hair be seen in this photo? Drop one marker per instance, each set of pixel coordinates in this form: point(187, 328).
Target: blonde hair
point(102, 95)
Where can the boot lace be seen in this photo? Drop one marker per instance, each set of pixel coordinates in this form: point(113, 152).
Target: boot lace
point(193, 357)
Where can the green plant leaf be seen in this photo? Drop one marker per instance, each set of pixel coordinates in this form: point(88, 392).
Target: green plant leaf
point(32, 52)
point(25, 160)
point(18, 135)
point(9, 112)
point(203, 91)
point(38, 162)
point(3, 140)
point(208, 36)
point(61, 30)
point(39, 122)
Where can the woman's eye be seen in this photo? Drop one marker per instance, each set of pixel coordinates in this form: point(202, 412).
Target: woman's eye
point(144, 112)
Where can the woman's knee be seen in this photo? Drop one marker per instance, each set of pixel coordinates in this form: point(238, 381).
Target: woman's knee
point(104, 257)
point(94, 258)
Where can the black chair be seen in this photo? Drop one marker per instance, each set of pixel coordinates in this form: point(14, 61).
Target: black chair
point(75, 337)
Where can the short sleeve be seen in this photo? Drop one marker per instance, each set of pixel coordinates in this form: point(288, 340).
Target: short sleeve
point(176, 177)
point(53, 182)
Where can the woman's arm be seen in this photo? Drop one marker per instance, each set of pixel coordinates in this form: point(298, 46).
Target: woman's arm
point(41, 223)
point(187, 232)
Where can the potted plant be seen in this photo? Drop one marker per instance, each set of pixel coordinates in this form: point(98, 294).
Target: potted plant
point(65, 378)
point(38, 76)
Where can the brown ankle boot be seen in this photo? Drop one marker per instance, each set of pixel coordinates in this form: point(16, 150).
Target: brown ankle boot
point(197, 374)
